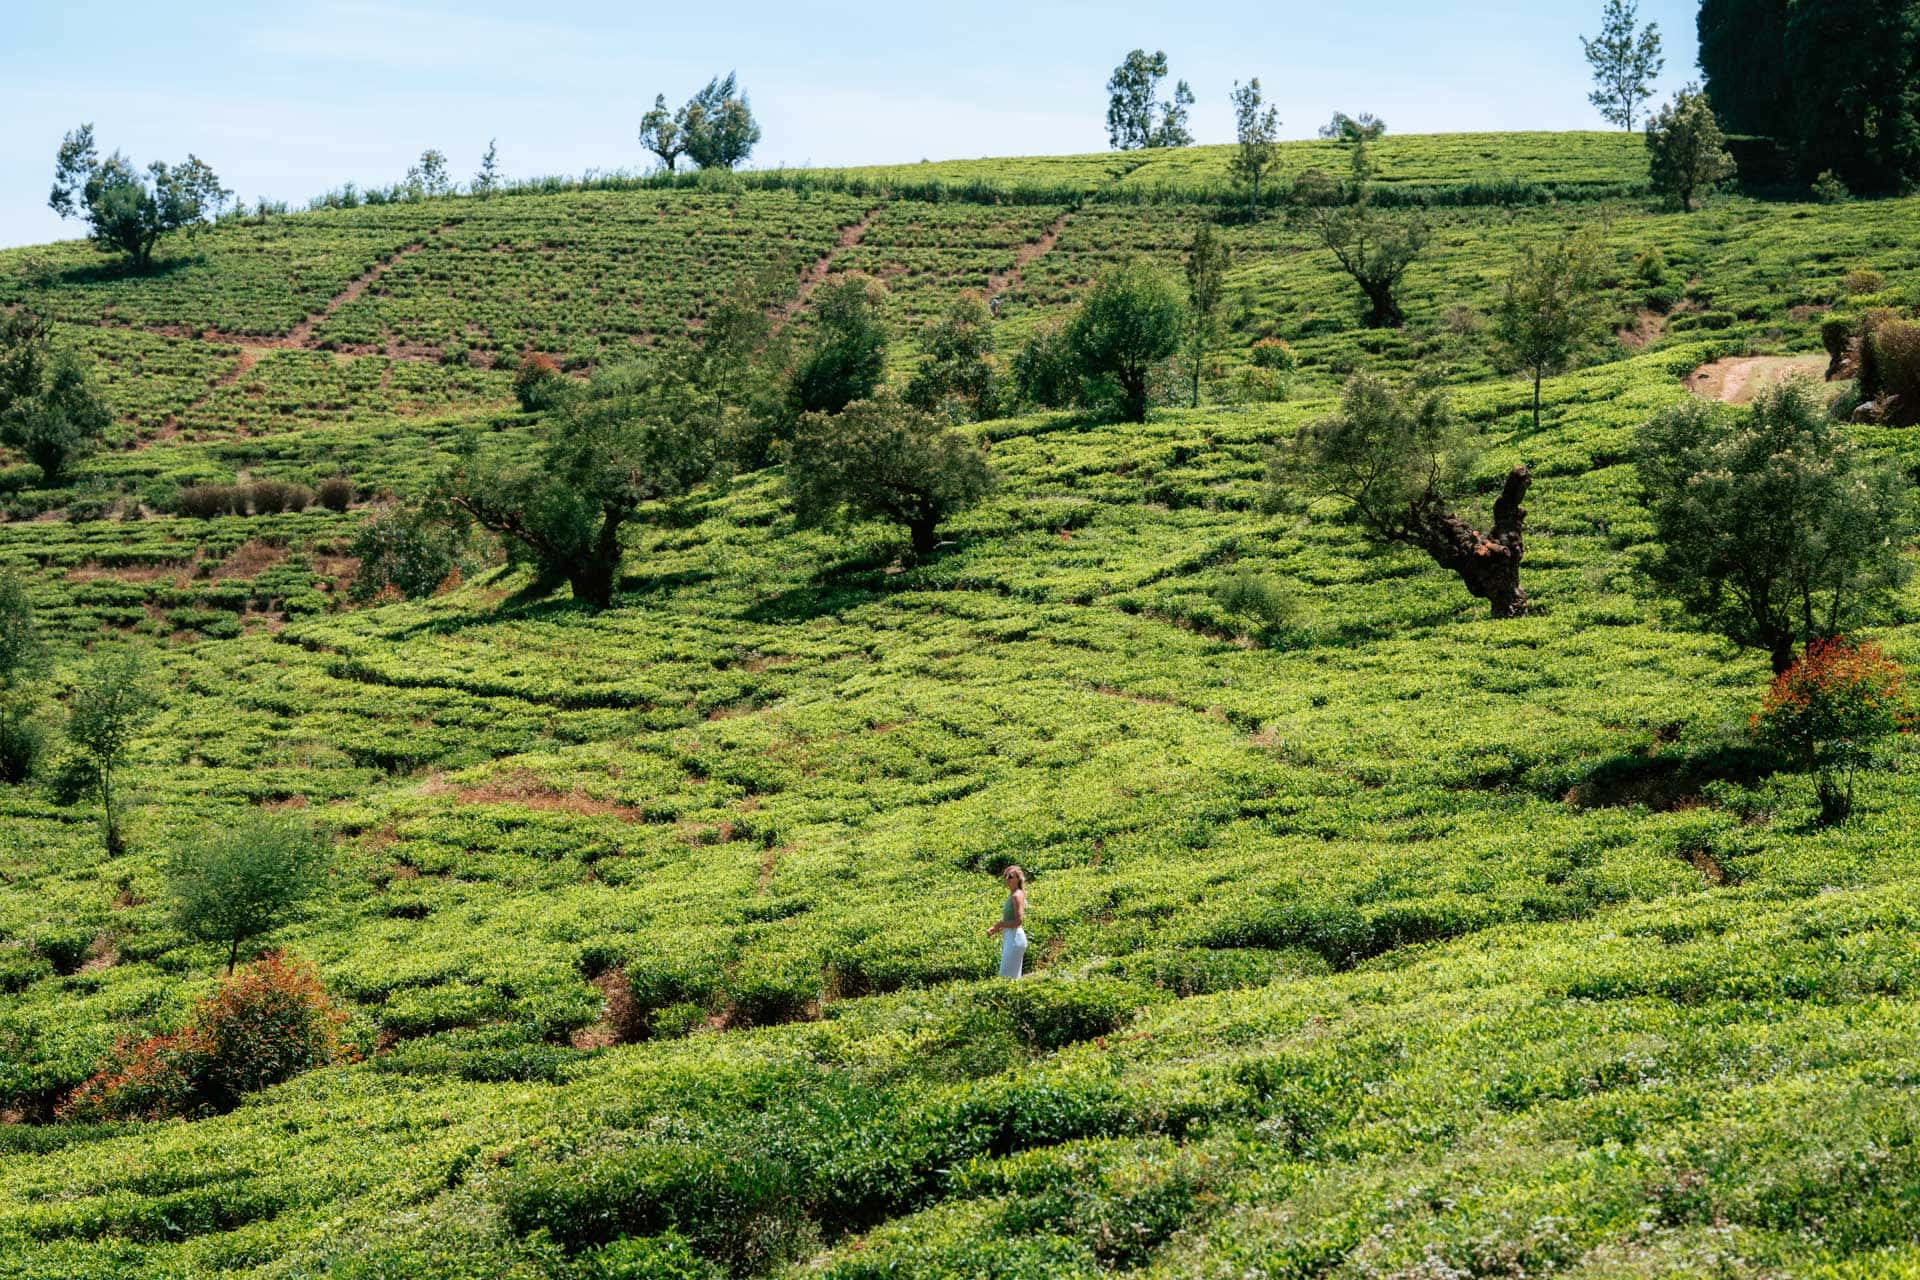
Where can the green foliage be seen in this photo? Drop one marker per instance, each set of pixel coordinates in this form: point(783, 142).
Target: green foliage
point(406, 549)
point(538, 384)
point(126, 212)
point(633, 440)
point(1772, 527)
point(1686, 152)
point(1207, 262)
point(22, 658)
point(1256, 131)
point(1831, 713)
point(847, 356)
point(1890, 365)
point(958, 373)
point(241, 880)
point(667, 1256)
point(1549, 312)
point(663, 132)
point(1130, 320)
point(112, 701)
point(718, 129)
point(1626, 59)
point(1259, 601)
point(49, 409)
point(1134, 120)
point(261, 1027)
point(1373, 249)
point(1832, 81)
point(1043, 371)
point(882, 459)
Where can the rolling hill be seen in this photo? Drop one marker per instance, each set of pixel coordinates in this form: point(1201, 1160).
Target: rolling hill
point(1389, 941)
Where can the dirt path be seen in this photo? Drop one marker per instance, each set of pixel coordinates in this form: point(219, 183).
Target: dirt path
point(1738, 379)
point(823, 267)
point(301, 335)
point(1010, 279)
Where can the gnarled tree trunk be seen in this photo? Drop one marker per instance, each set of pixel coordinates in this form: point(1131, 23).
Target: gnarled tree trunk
point(1488, 563)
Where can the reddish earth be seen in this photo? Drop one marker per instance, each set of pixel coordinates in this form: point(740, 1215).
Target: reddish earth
point(1005, 280)
point(849, 237)
point(1738, 379)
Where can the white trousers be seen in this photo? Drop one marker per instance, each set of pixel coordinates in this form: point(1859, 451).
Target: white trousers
point(1013, 952)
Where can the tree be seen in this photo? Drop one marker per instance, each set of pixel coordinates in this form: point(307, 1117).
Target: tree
point(1354, 131)
point(886, 460)
point(48, 407)
point(405, 549)
point(111, 702)
point(717, 127)
point(1548, 310)
point(1400, 465)
point(428, 177)
point(848, 353)
point(244, 879)
point(1770, 527)
point(635, 438)
point(1832, 81)
point(1256, 130)
point(740, 365)
point(1207, 259)
point(1130, 320)
point(487, 180)
point(1134, 119)
point(1830, 712)
point(958, 370)
point(664, 132)
point(1374, 249)
point(1686, 152)
point(1625, 59)
point(22, 657)
point(124, 211)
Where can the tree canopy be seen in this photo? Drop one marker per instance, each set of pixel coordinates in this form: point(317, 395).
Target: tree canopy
point(1128, 322)
point(715, 128)
point(1771, 527)
point(1549, 308)
point(1625, 58)
point(1373, 248)
point(1686, 152)
point(1256, 129)
point(125, 211)
point(1134, 119)
point(243, 879)
point(49, 409)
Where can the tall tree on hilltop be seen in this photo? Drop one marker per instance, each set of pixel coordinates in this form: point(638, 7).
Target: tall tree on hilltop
point(1256, 128)
point(719, 128)
point(664, 132)
point(126, 212)
point(1134, 119)
point(1625, 59)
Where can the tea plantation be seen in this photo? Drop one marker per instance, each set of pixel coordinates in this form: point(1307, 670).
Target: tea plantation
point(1380, 939)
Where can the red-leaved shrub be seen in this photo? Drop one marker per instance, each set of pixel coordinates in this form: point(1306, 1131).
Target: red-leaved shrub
point(265, 1024)
point(535, 382)
point(1829, 713)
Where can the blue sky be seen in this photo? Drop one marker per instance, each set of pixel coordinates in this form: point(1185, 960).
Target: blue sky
point(288, 101)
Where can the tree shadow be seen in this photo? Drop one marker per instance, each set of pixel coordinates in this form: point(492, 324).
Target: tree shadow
point(1669, 781)
point(120, 272)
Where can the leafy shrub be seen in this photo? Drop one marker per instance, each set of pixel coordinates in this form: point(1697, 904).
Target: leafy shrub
point(537, 382)
point(1866, 352)
point(1896, 365)
point(335, 493)
point(242, 879)
point(1254, 385)
point(1836, 335)
point(1273, 353)
point(64, 949)
point(266, 1024)
point(1258, 599)
point(22, 741)
point(1661, 300)
point(404, 549)
point(1650, 267)
point(271, 497)
point(847, 358)
point(740, 1210)
point(1830, 713)
point(205, 501)
point(1829, 189)
point(1128, 322)
point(667, 1256)
point(1051, 1014)
point(1861, 280)
point(958, 373)
point(1043, 371)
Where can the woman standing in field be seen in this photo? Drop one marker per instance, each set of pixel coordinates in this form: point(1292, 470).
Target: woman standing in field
point(1012, 926)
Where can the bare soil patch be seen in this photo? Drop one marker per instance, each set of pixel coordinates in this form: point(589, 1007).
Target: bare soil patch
point(525, 790)
point(1002, 281)
point(823, 266)
point(1738, 379)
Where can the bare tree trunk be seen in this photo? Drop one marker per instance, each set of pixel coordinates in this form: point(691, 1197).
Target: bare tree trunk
point(1488, 563)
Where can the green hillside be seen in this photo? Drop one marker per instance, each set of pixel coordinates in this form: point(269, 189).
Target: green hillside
point(1394, 941)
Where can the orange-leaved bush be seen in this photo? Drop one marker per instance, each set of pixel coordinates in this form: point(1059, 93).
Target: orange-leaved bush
point(267, 1023)
point(536, 381)
point(1830, 713)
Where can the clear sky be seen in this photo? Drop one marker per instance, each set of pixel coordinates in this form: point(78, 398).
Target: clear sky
point(287, 100)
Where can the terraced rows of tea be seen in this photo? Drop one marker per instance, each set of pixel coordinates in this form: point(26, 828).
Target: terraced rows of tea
point(1388, 940)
